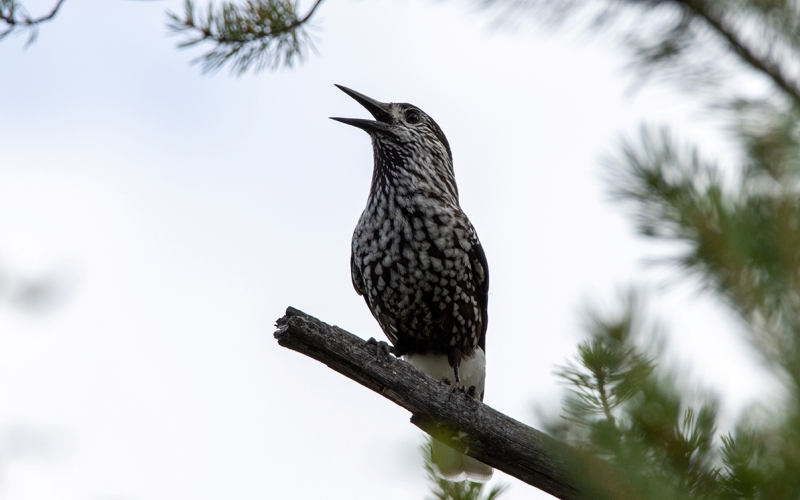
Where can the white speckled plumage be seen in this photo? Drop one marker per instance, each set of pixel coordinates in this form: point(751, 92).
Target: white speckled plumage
point(416, 258)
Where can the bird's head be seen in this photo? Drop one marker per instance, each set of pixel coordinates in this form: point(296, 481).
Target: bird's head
point(401, 129)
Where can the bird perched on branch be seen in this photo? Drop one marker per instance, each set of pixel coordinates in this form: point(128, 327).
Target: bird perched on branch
point(417, 260)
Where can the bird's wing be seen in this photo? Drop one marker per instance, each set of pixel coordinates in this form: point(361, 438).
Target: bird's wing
point(355, 275)
point(481, 268)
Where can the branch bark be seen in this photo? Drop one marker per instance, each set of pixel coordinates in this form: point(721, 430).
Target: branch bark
point(461, 421)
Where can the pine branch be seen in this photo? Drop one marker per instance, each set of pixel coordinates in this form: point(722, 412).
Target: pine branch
point(15, 17)
point(257, 33)
point(716, 20)
point(460, 421)
point(668, 37)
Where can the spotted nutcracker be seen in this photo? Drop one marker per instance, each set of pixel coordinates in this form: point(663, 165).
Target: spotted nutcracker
point(417, 260)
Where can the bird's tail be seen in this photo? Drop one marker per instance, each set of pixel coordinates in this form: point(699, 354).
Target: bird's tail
point(455, 466)
point(448, 463)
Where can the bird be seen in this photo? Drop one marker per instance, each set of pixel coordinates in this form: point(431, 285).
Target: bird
point(417, 261)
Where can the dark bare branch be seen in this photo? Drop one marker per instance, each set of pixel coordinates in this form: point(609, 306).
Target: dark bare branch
point(459, 420)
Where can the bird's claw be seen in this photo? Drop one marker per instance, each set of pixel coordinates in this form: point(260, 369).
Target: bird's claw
point(454, 386)
point(470, 391)
point(381, 347)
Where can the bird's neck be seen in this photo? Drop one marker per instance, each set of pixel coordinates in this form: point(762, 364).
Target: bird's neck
point(399, 177)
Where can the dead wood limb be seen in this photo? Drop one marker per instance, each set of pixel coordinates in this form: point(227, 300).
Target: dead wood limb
point(463, 422)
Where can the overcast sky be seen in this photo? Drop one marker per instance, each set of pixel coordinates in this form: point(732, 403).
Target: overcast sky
point(185, 213)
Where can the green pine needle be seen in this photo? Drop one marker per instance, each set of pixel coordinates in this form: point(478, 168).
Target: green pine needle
point(256, 34)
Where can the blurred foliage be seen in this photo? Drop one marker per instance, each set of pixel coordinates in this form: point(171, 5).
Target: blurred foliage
point(442, 489)
point(623, 409)
point(659, 438)
point(738, 233)
point(700, 44)
point(703, 46)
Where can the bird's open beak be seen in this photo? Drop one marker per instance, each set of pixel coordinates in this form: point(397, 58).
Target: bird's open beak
point(376, 108)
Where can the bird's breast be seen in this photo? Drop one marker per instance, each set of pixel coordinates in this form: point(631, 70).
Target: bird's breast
point(414, 262)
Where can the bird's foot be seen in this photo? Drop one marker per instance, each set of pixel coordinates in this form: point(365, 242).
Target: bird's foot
point(470, 391)
point(381, 347)
point(454, 386)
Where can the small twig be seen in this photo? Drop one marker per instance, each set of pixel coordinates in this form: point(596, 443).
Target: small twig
point(308, 15)
point(461, 421)
point(760, 63)
point(8, 14)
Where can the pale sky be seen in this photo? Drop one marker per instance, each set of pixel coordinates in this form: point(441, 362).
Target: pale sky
point(187, 212)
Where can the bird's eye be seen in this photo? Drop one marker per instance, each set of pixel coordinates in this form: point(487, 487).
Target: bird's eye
point(412, 116)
